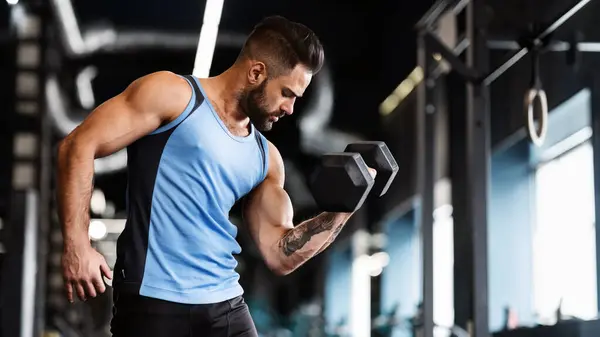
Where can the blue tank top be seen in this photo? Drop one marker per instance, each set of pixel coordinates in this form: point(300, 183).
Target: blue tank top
point(178, 243)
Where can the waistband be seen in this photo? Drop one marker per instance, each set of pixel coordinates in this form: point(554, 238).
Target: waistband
point(195, 296)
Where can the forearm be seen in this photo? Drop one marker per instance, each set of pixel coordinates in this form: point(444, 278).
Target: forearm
point(75, 175)
point(332, 238)
point(309, 238)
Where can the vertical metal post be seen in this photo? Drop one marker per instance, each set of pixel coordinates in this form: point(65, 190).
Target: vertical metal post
point(463, 262)
point(595, 117)
point(478, 161)
point(18, 296)
point(29, 297)
point(425, 181)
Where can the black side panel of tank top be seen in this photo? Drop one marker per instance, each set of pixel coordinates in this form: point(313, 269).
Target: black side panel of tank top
point(143, 159)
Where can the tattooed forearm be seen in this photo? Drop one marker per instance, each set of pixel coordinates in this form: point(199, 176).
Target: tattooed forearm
point(335, 233)
point(332, 238)
point(296, 238)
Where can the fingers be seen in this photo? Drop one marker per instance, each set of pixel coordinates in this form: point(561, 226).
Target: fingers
point(80, 290)
point(106, 270)
point(99, 285)
point(90, 287)
point(86, 279)
point(373, 172)
point(86, 289)
point(69, 289)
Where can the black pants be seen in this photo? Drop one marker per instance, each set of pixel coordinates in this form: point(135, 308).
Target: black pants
point(139, 316)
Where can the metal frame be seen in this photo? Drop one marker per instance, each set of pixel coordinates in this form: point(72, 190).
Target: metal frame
point(470, 235)
point(425, 182)
point(18, 296)
point(457, 64)
point(478, 169)
point(536, 41)
point(470, 74)
point(594, 85)
point(557, 46)
point(436, 11)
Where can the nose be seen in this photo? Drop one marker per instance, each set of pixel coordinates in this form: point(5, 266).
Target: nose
point(287, 109)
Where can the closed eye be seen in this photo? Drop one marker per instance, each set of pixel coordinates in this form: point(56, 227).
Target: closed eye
point(286, 92)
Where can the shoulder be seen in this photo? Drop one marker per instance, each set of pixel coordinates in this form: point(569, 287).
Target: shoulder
point(161, 83)
point(162, 90)
point(276, 167)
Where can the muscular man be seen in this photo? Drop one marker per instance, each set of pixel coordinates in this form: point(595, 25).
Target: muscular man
point(194, 149)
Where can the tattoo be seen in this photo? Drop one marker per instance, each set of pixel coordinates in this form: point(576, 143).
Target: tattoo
point(296, 238)
point(332, 238)
point(336, 232)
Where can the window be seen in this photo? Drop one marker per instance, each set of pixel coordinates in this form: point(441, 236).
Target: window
point(564, 237)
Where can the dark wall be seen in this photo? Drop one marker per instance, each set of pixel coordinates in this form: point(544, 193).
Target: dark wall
point(399, 133)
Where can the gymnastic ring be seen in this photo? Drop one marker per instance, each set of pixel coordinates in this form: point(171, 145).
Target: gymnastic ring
point(536, 137)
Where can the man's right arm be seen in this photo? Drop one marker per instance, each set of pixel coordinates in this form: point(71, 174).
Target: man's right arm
point(146, 104)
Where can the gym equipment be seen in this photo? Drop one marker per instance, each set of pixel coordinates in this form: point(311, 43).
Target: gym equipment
point(536, 90)
point(470, 232)
point(342, 182)
point(19, 266)
point(378, 156)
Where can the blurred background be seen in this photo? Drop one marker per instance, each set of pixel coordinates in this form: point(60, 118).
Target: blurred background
point(488, 228)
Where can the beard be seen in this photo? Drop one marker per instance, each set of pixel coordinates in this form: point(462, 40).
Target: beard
point(254, 105)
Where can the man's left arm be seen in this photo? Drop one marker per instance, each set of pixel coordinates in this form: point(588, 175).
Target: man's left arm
point(268, 213)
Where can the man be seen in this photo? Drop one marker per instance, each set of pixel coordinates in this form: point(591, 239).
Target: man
point(194, 149)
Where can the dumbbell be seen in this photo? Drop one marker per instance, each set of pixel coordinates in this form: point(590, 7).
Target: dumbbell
point(342, 183)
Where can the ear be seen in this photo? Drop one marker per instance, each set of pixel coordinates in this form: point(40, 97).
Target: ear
point(257, 73)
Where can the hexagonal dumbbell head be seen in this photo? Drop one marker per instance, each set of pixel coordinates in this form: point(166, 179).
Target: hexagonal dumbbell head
point(378, 156)
point(341, 182)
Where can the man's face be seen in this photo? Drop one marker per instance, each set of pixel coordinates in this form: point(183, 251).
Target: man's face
point(275, 98)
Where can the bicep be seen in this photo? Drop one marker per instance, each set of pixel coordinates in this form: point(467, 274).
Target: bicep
point(121, 120)
point(268, 210)
point(268, 213)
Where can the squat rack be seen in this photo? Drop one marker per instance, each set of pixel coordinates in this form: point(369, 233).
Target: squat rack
point(470, 158)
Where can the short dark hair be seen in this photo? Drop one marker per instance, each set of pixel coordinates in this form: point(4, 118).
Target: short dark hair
point(282, 44)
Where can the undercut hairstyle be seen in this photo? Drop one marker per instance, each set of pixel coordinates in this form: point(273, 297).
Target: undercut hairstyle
point(282, 44)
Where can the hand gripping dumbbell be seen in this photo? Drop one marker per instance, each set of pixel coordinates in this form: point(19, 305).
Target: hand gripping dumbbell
point(341, 182)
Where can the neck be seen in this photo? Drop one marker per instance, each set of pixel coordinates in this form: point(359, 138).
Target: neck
point(226, 89)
